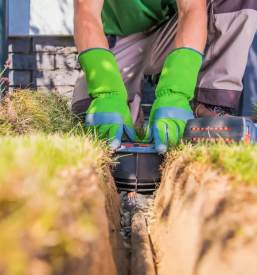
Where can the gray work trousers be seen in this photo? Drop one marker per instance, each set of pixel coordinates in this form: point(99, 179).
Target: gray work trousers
point(232, 26)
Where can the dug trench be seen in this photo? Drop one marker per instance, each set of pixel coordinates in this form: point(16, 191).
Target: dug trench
point(60, 212)
point(199, 223)
point(113, 253)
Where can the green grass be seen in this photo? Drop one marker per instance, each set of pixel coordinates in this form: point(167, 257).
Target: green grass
point(236, 160)
point(27, 112)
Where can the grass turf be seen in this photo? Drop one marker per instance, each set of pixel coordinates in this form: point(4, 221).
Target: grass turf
point(237, 160)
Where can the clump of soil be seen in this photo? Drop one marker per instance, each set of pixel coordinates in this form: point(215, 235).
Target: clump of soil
point(205, 223)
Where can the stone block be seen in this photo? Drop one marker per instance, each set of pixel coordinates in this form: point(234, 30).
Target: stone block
point(32, 61)
point(18, 88)
point(67, 61)
point(19, 78)
point(19, 44)
point(45, 89)
point(65, 90)
point(54, 44)
point(55, 78)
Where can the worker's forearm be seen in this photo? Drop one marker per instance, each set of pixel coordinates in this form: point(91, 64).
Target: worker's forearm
point(192, 25)
point(88, 29)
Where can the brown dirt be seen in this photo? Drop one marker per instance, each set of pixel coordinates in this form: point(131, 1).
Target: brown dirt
point(204, 224)
point(112, 205)
point(106, 254)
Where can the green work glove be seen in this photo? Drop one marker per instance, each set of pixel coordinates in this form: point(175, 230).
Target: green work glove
point(171, 109)
point(109, 113)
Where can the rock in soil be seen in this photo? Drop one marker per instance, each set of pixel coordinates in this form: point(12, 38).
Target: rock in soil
point(122, 233)
point(144, 202)
point(127, 229)
point(127, 223)
point(127, 216)
point(125, 198)
point(121, 212)
point(150, 201)
point(127, 245)
point(138, 200)
point(122, 194)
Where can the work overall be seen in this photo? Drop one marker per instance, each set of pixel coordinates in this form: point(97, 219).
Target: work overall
point(232, 26)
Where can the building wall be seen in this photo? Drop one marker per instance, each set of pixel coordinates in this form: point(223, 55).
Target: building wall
point(41, 17)
point(41, 45)
point(43, 63)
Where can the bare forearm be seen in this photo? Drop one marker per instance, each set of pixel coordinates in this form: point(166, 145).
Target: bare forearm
point(88, 29)
point(192, 25)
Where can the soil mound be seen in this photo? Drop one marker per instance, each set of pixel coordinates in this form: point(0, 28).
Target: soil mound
point(206, 224)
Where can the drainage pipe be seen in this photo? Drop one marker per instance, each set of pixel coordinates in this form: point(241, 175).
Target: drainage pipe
point(141, 253)
point(3, 33)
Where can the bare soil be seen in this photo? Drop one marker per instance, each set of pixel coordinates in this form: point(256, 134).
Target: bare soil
point(205, 225)
point(120, 254)
point(106, 254)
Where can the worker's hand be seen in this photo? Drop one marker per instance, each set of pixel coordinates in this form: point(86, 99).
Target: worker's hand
point(108, 113)
point(167, 120)
point(171, 109)
point(109, 116)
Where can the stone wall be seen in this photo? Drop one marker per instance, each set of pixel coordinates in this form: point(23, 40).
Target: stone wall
point(50, 64)
point(43, 63)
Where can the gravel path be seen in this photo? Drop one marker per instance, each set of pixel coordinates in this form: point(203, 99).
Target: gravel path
point(146, 203)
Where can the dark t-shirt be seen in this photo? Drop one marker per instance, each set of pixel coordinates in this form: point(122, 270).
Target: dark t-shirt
point(124, 17)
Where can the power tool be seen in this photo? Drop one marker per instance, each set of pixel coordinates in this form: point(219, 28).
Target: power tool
point(220, 129)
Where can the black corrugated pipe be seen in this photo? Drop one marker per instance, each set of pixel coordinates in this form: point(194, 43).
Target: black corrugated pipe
point(3, 33)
